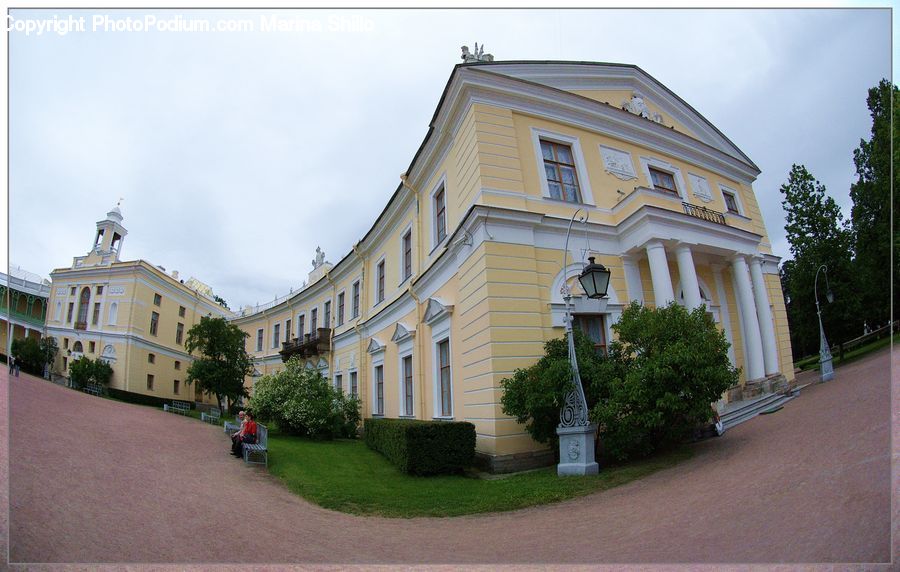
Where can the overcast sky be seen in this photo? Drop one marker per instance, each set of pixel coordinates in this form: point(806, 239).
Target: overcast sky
point(238, 153)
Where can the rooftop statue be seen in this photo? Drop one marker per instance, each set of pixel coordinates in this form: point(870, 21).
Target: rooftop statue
point(319, 260)
point(477, 56)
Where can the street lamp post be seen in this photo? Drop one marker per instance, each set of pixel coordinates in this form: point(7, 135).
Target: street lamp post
point(826, 366)
point(576, 433)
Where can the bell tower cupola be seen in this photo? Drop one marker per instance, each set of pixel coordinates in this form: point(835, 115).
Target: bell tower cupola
point(110, 234)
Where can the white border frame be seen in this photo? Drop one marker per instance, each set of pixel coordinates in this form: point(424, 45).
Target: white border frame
point(377, 361)
point(441, 184)
point(412, 252)
point(341, 319)
point(584, 182)
point(737, 198)
point(300, 318)
point(377, 302)
point(440, 331)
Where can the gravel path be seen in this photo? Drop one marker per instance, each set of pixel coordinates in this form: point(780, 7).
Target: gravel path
point(97, 481)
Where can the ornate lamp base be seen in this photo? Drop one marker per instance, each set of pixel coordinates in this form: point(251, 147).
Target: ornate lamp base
point(576, 451)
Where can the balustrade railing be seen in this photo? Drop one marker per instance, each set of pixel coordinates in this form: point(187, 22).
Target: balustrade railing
point(704, 213)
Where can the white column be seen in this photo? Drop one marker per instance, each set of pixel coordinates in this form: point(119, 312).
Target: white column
point(688, 272)
point(764, 311)
point(724, 314)
point(633, 279)
point(749, 321)
point(659, 274)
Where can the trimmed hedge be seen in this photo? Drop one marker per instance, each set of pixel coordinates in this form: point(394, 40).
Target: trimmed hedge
point(423, 447)
point(141, 399)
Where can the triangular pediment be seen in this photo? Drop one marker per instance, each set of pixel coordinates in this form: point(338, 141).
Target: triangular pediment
point(375, 346)
point(436, 310)
point(402, 333)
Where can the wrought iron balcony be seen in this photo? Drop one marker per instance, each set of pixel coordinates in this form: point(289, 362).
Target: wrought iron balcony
point(704, 213)
point(311, 344)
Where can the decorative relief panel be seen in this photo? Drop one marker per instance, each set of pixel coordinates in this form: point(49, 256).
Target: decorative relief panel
point(60, 291)
point(700, 187)
point(618, 163)
point(116, 290)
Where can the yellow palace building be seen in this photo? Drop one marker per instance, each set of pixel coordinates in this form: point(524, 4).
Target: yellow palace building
point(131, 314)
point(458, 282)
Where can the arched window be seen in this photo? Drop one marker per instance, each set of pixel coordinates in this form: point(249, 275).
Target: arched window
point(113, 313)
point(77, 348)
point(83, 305)
point(58, 311)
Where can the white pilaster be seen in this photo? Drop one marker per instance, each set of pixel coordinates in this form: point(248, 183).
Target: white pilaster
point(749, 321)
point(633, 279)
point(659, 274)
point(724, 314)
point(764, 311)
point(688, 273)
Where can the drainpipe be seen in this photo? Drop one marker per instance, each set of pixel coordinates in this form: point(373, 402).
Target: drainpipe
point(404, 179)
point(362, 291)
point(330, 329)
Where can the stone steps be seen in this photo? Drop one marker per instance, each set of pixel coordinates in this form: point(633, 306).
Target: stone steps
point(739, 412)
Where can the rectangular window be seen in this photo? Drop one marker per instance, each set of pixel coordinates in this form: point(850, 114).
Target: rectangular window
point(99, 290)
point(92, 346)
point(593, 328)
point(730, 202)
point(276, 335)
point(65, 343)
point(179, 333)
point(177, 365)
point(300, 325)
point(157, 299)
point(340, 313)
point(662, 180)
point(151, 358)
point(440, 217)
point(354, 309)
point(69, 315)
point(176, 385)
point(407, 255)
point(72, 291)
point(327, 321)
point(339, 383)
point(259, 340)
point(287, 330)
point(313, 321)
point(379, 281)
point(65, 363)
point(379, 390)
point(150, 381)
point(180, 311)
point(407, 386)
point(95, 317)
point(354, 387)
point(559, 168)
point(154, 323)
point(444, 365)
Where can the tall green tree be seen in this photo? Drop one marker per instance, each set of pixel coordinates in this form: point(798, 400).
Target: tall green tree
point(871, 195)
point(817, 236)
point(222, 362)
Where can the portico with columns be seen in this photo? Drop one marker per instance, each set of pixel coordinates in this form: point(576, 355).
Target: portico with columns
point(724, 268)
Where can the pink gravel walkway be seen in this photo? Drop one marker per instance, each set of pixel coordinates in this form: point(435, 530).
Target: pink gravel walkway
point(97, 481)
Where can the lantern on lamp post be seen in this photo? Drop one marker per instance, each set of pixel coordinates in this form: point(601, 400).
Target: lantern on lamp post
point(576, 433)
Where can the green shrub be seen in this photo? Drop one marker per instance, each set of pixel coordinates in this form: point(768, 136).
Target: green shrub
point(302, 402)
point(535, 395)
point(33, 355)
point(665, 369)
point(85, 370)
point(423, 447)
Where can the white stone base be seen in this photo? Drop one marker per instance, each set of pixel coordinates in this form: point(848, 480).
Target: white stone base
point(827, 369)
point(576, 451)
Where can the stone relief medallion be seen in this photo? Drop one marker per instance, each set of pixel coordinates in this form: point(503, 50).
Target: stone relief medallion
point(618, 163)
point(574, 450)
point(700, 188)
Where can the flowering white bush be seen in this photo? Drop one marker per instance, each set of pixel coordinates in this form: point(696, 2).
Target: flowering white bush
point(302, 402)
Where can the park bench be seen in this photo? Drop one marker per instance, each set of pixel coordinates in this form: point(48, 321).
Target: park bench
point(232, 427)
point(258, 448)
point(93, 389)
point(211, 417)
point(182, 407)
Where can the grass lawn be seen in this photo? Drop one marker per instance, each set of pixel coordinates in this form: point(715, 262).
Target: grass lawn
point(346, 475)
point(812, 362)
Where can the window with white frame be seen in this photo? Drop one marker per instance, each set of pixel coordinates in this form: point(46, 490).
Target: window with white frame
point(444, 378)
point(339, 382)
point(354, 308)
point(276, 335)
point(379, 283)
point(340, 309)
point(378, 389)
point(259, 340)
point(732, 200)
point(664, 177)
point(287, 330)
point(354, 384)
point(313, 322)
point(406, 376)
point(301, 319)
point(561, 167)
point(327, 314)
point(440, 216)
point(663, 181)
point(406, 255)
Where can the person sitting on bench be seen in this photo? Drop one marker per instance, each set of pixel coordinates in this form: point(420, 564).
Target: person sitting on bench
point(247, 434)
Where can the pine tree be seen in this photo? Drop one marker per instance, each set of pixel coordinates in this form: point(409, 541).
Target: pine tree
point(870, 217)
point(817, 236)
